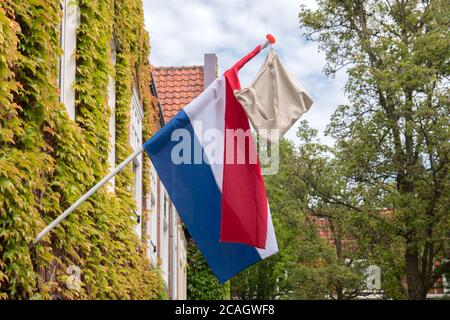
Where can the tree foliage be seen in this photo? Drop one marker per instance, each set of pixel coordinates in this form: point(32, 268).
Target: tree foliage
point(392, 139)
point(307, 266)
point(201, 282)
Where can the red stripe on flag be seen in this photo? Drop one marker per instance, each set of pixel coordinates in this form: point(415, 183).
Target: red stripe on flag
point(244, 201)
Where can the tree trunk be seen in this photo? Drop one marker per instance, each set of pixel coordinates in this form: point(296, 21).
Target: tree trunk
point(416, 289)
point(340, 293)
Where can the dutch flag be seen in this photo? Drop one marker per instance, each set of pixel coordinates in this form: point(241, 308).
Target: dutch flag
point(220, 198)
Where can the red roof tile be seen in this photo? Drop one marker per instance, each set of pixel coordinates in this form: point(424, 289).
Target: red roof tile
point(177, 86)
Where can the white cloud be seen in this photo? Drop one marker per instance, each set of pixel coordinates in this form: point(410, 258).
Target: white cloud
point(182, 31)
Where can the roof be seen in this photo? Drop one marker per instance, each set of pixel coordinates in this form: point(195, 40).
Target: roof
point(177, 86)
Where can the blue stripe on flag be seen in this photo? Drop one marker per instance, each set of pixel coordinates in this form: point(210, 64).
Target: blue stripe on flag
point(197, 198)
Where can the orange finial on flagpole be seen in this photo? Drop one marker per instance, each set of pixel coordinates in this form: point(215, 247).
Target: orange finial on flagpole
point(270, 39)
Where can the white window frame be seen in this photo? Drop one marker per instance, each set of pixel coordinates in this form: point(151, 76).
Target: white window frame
point(112, 117)
point(137, 115)
point(70, 21)
point(164, 234)
point(152, 227)
point(175, 251)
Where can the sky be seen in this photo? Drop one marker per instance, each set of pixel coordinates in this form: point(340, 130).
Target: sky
point(181, 32)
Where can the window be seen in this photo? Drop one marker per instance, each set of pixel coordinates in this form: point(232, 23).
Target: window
point(112, 118)
point(164, 235)
point(181, 272)
point(166, 210)
point(153, 218)
point(175, 250)
point(137, 115)
point(67, 62)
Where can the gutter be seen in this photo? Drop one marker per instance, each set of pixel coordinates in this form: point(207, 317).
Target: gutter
point(154, 91)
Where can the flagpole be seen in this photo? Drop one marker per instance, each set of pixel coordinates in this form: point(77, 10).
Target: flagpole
point(270, 39)
point(87, 195)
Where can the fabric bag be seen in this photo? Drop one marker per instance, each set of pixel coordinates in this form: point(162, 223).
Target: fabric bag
point(273, 100)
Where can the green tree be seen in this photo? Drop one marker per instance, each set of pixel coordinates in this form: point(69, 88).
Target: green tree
point(306, 266)
point(319, 173)
point(201, 282)
point(392, 139)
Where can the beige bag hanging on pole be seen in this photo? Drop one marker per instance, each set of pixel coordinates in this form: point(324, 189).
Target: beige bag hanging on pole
point(273, 100)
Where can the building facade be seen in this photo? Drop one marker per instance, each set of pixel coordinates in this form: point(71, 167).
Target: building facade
point(75, 100)
point(77, 96)
point(164, 236)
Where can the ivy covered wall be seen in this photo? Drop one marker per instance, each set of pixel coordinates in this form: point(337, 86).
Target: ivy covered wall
point(47, 160)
